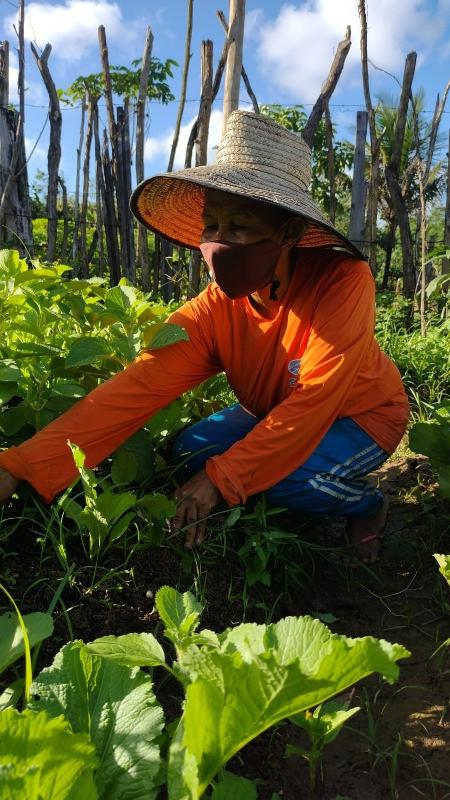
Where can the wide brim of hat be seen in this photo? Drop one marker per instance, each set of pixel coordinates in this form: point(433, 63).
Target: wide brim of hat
point(172, 204)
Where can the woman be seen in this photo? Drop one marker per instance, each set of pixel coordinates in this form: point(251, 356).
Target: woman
point(289, 319)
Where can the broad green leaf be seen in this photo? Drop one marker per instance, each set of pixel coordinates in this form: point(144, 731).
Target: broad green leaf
point(39, 626)
point(179, 612)
point(121, 296)
point(430, 439)
point(130, 650)
point(117, 708)
point(12, 420)
point(87, 475)
point(36, 349)
point(9, 371)
point(7, 390)
point(158, 505)
point(444, 565)
point(69, 390)
point(112, 505)
point(233, 787)
point(87, 351)
point(121, 526)
point(41, 759)
point(263, 674)
point(140, 446)
point(124, 468)
point(161, 334)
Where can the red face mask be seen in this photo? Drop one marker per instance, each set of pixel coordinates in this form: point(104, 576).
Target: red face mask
point(241, 269)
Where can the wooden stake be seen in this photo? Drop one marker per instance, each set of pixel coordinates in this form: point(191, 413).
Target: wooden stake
point(236, 19)
point(184, 78)
point(244, 75)
point(142, 256)
point(4, 74)
point(328, 87)
point(357, 212)
point(54, 148)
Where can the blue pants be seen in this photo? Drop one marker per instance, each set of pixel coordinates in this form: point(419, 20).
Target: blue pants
point(328, 483)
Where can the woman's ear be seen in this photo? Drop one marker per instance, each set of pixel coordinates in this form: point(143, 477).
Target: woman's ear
point(295, 228)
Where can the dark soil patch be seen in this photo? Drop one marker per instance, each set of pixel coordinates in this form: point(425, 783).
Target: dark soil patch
point(398, 745)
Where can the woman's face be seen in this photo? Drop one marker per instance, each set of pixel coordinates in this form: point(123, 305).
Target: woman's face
point(238, 220)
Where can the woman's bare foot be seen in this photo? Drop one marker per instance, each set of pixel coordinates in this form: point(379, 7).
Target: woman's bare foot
point(364, 534)
point(8, 485)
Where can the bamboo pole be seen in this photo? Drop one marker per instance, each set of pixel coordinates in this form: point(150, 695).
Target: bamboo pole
point(357, 211)
point(142, 240)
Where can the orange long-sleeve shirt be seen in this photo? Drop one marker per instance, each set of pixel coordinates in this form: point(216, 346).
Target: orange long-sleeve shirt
point(315, 360)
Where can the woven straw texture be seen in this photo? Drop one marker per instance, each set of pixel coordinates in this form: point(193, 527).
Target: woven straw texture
point(257, 158)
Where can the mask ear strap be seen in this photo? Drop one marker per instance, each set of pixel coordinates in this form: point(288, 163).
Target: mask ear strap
point(274, 286)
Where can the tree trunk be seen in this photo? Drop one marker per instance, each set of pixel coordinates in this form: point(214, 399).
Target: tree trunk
point(328, 88)
point(116, 187)
point(330, 163)
point(124, 155)
point(109, 219)
point(65, 212)
point(372, 203)
point(54, 148)
point(76, 208)
point(392, 179)
point(236, 22)
point(201, 147)
point(389, 248)
point(85, 198)
point(446, 261)
point(357, 211)
point(15, 209)
point(22, 179)
point(142, 256)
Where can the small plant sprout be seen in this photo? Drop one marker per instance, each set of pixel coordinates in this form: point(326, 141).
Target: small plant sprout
point(322, 726)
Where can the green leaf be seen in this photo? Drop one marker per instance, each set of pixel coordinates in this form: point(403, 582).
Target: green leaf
point(158, 505)
point(324, 724)
point(9, 371)
point(162, 334)
point(7, 390)
point(118, 710)
point(179, 612)
point(431, 439)
point(36, 349)
point(261, 675)
point(444, 565)
point(87, 351)
point(112, 505)
point(130, 650)
point(70, 390)
point(39, 626)
point(40, 758)
point(12, 420)
point(124, 468)
point(140, 446)
point(232, 787)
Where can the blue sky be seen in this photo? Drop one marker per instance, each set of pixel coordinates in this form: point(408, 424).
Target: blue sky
point(288, 50)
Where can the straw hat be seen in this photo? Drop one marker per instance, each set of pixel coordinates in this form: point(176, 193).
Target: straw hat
point(257, 158)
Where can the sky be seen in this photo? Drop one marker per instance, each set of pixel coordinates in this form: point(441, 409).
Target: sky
point(288, 49)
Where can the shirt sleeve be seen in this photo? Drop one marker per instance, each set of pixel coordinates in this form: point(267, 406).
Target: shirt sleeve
point(116, 409)
point(341, 334)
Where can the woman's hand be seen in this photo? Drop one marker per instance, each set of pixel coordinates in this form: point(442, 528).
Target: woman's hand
point(195, 501)
point(8, 486)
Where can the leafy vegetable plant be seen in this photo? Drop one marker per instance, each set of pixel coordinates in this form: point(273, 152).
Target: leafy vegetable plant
point(433, 440)
point(236, 685)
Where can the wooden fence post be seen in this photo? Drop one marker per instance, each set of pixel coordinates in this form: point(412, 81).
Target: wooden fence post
point(393, 181)
point(236, 21)
point(54, 148)
point(124, 155)
point(142, 255)
point(201, 147)
point(357, 211)
point(446, 261)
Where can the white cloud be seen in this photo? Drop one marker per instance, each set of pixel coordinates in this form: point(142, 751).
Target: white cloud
point(71, 26)
point(295, 49)
point(36, 154)
point(35, 92)
point(158, 148)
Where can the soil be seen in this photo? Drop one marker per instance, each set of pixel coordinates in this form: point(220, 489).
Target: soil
point(398, 746)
